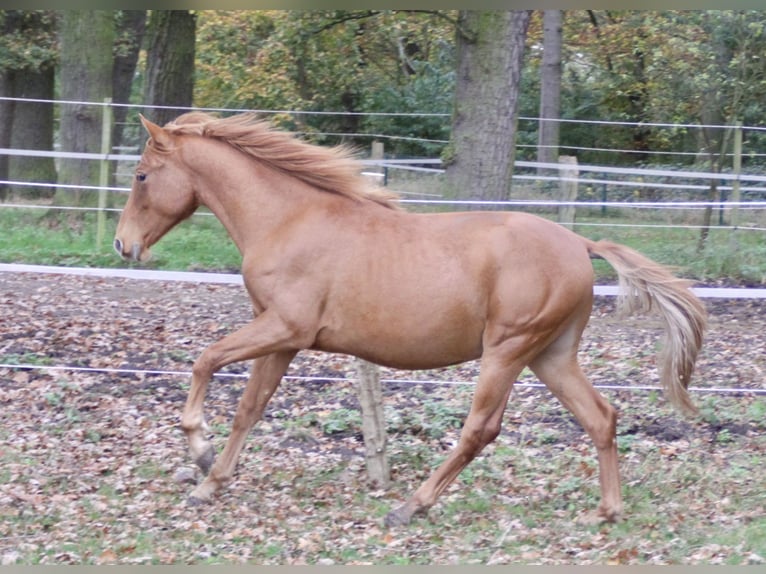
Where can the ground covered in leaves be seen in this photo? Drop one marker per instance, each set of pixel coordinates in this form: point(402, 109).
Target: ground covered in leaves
point(93, 465)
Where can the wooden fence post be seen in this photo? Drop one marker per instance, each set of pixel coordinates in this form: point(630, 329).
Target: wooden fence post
point(568, 188)
point(736, 194)
point(371, 401)
point(373, 423)
point(103, 176)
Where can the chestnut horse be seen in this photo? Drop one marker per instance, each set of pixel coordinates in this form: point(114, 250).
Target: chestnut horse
point(332, 263)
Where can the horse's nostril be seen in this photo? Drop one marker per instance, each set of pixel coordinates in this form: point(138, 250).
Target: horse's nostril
point(118, 246)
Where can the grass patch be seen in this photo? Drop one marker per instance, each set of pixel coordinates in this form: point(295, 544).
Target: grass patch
point(738, 256)
point(41, 238)
point(691, 501)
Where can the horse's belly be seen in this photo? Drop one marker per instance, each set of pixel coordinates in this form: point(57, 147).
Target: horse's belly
point(404, 341)
point(414, 358)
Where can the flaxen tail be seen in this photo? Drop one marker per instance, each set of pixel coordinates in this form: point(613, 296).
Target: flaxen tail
point(644, 285)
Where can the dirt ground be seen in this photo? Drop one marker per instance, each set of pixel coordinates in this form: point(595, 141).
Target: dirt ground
point(114, 323)
point(87, 424)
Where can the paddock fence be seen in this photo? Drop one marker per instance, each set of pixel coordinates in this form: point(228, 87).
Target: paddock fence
point(740, 192)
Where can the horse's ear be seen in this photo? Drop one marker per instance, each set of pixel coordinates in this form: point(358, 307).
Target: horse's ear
point(160, 138)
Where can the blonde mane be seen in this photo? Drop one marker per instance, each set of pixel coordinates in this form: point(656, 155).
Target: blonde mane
point(330, 169)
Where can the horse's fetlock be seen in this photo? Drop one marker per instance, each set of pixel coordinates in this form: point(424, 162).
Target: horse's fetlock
point(219, 478)
point(189, 427)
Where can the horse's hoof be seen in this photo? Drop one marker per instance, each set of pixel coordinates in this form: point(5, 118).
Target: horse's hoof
point(185, 475)
point(206, 460)
point(599, 517)
point(397, 517)
point(194, 501)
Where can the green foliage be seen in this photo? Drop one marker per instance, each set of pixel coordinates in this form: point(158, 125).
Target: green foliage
point(331, 60)
point(679, 66)
point(428, 91)
point(434, 419)
point(639, 66)
point(28, 40)
point(25, 359)
point(686, 67)
point(341, 420)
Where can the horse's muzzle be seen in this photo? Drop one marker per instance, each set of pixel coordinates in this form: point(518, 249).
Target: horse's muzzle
point(135, 250)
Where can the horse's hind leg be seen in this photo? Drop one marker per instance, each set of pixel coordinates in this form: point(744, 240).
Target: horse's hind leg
point(481, 427)
point(558, 368)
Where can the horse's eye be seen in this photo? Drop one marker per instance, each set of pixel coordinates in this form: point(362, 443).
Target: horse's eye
point(141, 177)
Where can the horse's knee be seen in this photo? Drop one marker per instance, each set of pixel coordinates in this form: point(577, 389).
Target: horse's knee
point(192, 421)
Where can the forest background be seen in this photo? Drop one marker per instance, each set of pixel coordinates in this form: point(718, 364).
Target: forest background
point(625, 88)
point(685, 67)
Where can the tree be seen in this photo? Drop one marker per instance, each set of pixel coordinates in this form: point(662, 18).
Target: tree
point(86, 40)
point(624, 43)
point(550, 89)
point(27, 64)
point(9, 25)
point(356, 61)
point(738, 74)
point(490, 53)
point(6, 111)
point(129, 33)
point(169, 82)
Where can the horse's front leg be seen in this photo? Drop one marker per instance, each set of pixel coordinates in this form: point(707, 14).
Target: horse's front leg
point(264, 379)
point(264, 336)
point(193, 421)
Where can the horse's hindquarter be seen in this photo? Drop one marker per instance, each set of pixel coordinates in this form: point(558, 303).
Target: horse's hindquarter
point(422, 291)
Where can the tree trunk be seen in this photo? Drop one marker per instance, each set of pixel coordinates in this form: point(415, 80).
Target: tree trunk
point(715, 139)
point(7, 85)
point(6, 113)
point(131, 27)
point(32, 128)
point(27, 71)
point(716, 142)
point(86, 42)
point(550, 91)
point(170, 64)
point(490, 53)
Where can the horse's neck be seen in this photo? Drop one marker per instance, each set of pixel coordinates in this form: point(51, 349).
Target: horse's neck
point(251, 200)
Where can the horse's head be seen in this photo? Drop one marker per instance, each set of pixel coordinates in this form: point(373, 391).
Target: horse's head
point(161, 196)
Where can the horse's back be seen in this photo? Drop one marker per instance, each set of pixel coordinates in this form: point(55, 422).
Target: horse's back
point(512, 250)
